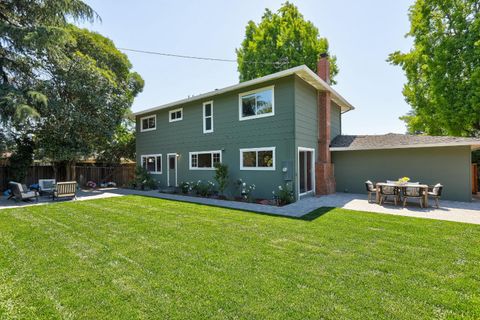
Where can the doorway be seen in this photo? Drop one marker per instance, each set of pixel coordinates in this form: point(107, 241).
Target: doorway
point(306, 174)
point(172, 169)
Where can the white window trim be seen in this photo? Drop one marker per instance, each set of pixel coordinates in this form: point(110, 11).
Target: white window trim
point(211, 116)
point(149, 129)
point(313, 171)
point(173, 111)
point(272, 168)
point(242, 118)
point(153, 155)
point(202, 152)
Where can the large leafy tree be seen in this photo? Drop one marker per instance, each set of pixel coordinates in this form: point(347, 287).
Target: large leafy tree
point(443, 68)
point(90, 87)
point(29, 30)
point(280, 41)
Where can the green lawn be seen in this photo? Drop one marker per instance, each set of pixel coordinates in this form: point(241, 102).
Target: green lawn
point(138, 257)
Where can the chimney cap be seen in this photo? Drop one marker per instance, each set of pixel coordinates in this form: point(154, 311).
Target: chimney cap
point(323, 55)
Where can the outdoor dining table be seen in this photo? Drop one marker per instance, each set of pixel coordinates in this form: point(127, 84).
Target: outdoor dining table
point(402, 186)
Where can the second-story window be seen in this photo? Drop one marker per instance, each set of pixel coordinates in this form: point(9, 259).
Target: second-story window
point(208, 117)
point(175, 115)
point(256, 104)
point(148, 123)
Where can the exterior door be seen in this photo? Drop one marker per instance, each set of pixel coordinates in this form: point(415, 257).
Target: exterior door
point(305, 171)
point(172, 169)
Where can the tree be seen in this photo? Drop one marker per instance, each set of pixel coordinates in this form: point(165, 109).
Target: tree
point(89, 89)
point(21, 159)
point(121, 146)
point(29, 30)
point(443, 68)
point(280, 41)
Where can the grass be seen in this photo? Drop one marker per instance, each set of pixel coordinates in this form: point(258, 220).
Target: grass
point(137, 257)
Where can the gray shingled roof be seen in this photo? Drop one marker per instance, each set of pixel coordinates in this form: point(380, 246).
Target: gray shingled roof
point(393, 141)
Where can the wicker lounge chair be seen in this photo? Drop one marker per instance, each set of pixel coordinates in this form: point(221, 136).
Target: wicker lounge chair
point(21, 193)
point(370, 190)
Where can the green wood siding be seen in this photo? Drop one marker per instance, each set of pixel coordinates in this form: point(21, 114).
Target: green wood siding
point(448, 165)
point(229, 135)
point(335, 121)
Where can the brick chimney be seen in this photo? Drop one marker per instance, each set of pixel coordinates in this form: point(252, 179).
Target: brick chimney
point(324, 174)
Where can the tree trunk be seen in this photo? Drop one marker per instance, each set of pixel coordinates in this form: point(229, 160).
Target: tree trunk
point(70, 170)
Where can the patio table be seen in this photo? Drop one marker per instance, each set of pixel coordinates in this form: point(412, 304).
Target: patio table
point(402, 186)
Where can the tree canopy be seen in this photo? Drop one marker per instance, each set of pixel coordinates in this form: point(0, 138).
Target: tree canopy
point(280, 41)
point(443, 68)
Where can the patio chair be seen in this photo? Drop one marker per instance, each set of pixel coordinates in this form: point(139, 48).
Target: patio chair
point(413, 193)
point(46, 185)
point(21, 193)
point(436, 193)
point(370, 190)
point(389, 191)
point(65, 190)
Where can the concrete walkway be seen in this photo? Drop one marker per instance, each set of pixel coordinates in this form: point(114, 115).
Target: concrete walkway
point(468, 212)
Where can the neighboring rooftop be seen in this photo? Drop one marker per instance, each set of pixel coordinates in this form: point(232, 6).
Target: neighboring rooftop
point(302, 71)
point(397, 141)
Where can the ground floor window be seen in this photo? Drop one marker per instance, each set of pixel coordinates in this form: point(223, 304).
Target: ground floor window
point(152, 162)
point(205, 160)
point(257, 159)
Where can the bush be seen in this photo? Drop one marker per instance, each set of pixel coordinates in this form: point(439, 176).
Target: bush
point(143, 179)
point(284, 195)
point(221, 176)
point(204, 189)
point(186, 187)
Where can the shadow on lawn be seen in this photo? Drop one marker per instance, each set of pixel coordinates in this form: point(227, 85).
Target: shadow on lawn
point(317, 213)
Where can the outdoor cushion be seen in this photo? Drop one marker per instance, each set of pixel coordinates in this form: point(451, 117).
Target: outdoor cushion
point(29, 194)
point(436, 188)
point(370, 185)
point(413, 192)
point(391, 181)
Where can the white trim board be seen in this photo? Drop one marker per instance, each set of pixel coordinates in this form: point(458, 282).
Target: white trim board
point(313, 172)
point(211, 152)
point(274, 160)
point(153, 155)
point(147, 117)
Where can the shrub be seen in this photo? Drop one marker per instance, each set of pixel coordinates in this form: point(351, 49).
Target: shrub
point(186, 187)
point(246, 190)
point(144, 179)
point(221, 176)
point(284, 195)
point(204, 189)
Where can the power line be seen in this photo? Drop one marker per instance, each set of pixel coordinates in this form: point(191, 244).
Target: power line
point(282, 61)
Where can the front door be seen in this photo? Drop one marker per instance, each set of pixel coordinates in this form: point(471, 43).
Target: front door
point(172, 169)
point(305, 170)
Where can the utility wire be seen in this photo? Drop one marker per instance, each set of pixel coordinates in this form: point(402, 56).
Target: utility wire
point(282, 61)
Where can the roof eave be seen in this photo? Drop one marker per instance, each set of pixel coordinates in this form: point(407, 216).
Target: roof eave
point(474, 146)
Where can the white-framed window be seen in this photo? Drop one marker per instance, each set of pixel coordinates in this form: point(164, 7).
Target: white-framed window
point(257, 103)
point(152, 162)
point(175, 115)
point(205, 160)
point(148, 123)
point(257, 158)
point(208, 117)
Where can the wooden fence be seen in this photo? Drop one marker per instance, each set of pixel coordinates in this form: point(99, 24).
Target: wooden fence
point(121, 175)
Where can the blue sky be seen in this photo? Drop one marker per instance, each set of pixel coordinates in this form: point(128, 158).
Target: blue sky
point(361, 35)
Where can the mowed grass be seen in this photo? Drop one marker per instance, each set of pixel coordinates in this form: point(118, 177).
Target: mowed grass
point(137, 257)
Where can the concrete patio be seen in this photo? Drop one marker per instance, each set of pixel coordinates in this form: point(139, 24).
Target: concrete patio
point(467, 212)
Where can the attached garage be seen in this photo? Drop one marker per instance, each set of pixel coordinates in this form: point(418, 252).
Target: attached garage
point(427, 159)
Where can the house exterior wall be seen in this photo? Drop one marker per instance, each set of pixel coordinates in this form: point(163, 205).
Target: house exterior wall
point(229, 135)
point(335, 121)
point(449, 166)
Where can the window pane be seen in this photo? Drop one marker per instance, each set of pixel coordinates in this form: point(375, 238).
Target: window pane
point(151, 122)
point(172, 162)
point(159, 164)
point(264, 102)
point(249, 159)
point(248, 105)
point(151, 164)
point(208, 110)
point(144, 162)
point(145, 124)
point(216, 158)
point(173, 116)
point(208, 124)
point(205, 160)
point(265, 158)
point(178, 114)
point(194, 161)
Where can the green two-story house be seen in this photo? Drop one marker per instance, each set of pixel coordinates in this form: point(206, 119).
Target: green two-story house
point(269, 131)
